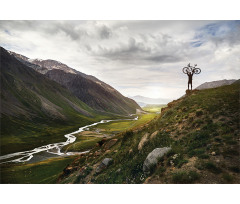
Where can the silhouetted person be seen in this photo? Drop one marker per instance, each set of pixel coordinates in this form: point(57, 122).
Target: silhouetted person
point(190, 71)
point(190, 75)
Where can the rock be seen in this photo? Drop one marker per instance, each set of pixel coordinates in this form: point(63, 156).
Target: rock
point(175, 156)
point(213, 153)
point(153, 157)
point(110, 143)
point(118, 170)
point(171, 163)
point(105, 162)
point(107, 151)
point(143, 141)
point(97, 154)
point(154, 134)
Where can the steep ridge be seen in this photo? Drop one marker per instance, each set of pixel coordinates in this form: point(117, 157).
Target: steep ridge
point(25, 60)
point(32, 103)
point(198, 135)
point(95, 93)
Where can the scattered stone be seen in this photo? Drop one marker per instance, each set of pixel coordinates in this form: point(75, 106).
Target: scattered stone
point(153, 157)
point(154, 134)
point(118, 170)
point(143, 141)
point(175, 156)
point(213, 153)
point(130, 151)
point(97, 153)
point(105, 162)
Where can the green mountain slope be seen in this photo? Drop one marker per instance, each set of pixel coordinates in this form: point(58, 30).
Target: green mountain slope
point(92, 91)
point(202, 130)
point(95, 93)
point(35, 110)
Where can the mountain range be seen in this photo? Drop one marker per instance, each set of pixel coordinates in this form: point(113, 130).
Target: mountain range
point(215, 84)
point(43, 99)
point(92, 91)
point(142, 100)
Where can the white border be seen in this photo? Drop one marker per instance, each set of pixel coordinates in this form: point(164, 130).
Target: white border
point(119, 10)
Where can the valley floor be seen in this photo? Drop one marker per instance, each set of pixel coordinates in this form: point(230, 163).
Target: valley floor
point(47, 171)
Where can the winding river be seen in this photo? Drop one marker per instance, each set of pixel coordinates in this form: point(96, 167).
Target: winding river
point(54, 148)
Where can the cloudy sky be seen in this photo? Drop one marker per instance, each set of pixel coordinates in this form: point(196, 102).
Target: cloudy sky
point(135, 57)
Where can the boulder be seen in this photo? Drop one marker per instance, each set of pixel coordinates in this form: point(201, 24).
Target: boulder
point(153, 157)
point(143, 141)
point(105, 162)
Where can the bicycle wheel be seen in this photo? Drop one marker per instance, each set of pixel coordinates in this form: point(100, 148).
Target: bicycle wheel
point(186, 70)
point(197, 71)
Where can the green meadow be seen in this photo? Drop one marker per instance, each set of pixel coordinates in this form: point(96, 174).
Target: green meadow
point(43, 172)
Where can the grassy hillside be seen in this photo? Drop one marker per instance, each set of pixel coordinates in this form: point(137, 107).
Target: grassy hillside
point(202, 130)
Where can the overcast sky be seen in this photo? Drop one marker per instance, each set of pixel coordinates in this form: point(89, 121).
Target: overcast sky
point(135, 57)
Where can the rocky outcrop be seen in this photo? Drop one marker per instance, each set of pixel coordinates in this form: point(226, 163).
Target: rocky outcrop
point(143, 141)
point(153, 157)
point(105, 162)
point(154, 134)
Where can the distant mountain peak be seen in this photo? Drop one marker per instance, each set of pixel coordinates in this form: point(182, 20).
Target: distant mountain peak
point(215, 84)
point(142, 100)
point(36, 59)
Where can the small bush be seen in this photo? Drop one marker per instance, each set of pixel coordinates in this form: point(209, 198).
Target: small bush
point(212, 167)
point(196, 152)
point(185, 177)
point(199, 113)
point(235, 169)
point(203, 156)
point(126, 135)
point(160, 171)
point(227, 177)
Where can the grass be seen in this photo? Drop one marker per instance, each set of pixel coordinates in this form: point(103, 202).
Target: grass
point(120, 126)
point(184, 177)
point(198, 138)
point(153, 108)
point(82, 143)
point(37, 173)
